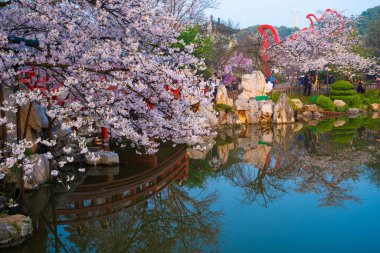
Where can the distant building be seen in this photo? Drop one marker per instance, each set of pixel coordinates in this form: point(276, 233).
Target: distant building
point(218, 29)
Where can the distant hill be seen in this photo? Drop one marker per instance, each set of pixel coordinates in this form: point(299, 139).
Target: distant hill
point(367, 17)
point(282, 30)
point(369, 27)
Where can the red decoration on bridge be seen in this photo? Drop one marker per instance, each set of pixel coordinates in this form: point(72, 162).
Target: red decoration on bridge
point(312, 18)
point(266, 43)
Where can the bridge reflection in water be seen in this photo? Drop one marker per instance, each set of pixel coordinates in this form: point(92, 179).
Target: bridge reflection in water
point(101, 196)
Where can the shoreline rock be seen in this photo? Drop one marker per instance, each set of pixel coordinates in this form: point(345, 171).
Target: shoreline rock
point(14, 230)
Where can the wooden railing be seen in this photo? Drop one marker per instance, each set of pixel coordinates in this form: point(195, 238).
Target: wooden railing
point(101, 199)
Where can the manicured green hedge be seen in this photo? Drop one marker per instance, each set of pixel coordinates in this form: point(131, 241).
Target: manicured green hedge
point(342, 85)
point(342, 109)
point(326, 103)
point(343, 92)
point(352, 101)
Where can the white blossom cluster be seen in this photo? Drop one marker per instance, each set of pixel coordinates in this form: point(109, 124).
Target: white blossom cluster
point(105, 63)
point(331, 43)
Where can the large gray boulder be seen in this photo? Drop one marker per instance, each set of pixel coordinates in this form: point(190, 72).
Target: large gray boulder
point(208, 113)
point(39, 174)
point(311, 108)
point(38, 119)
point(253, 85)
point(353, 111)
point(14, 230)
point(375, 107)
point(339, 103)
point(297, 104)
point(283, 111)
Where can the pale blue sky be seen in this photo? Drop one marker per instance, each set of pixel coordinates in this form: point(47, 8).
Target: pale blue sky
point(279, 12)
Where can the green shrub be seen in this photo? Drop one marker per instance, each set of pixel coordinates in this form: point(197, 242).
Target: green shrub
point(343, 92)
point(223, 107)
point(325, 102)
point(342, 85)
point(275, 96)
point(352, 101)
point(342, 109)
point(370, 97)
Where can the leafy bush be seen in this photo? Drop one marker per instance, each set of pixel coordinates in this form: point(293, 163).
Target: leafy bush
point(325, 102)
point(351, 101)
point(275, 96)
point(342, 109)
point(370, 97)
point(342, 85)
point(223, 107)
point(343, 92)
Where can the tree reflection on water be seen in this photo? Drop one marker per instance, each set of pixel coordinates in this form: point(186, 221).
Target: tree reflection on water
point(171, 221)
point(266, 163)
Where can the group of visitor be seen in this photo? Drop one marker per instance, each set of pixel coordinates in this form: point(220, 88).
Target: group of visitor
point(309, 81)
point(361, 87)
point(210, 85)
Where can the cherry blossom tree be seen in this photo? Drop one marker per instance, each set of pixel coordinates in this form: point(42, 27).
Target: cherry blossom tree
point(330, 42)
point(188, 11)
point(103, 63)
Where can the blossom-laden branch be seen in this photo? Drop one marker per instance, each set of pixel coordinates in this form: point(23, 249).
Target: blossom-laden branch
point(98, 63)
point(330, 43)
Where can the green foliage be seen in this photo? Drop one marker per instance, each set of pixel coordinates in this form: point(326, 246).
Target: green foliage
point(203, 46)
point(223, 107)
point(283, 31)
point(342, 85)
point(342, 109)
point(370, 97)
point(4, 213)
point(351, 101)
point(293, 105)
point(344, 90)
point(275, 96)
point(326, 103)
point(28, 152)
point(369, 27)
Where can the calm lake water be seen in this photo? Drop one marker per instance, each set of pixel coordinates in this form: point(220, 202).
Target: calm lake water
point(312, 187)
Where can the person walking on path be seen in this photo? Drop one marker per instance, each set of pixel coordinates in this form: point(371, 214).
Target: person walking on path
point(307, 85)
